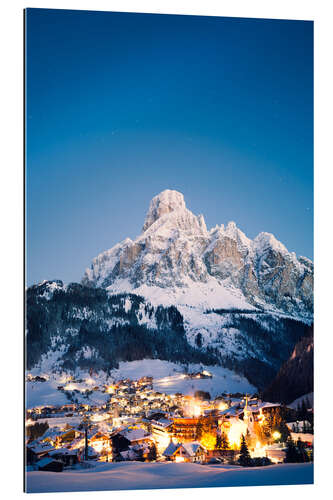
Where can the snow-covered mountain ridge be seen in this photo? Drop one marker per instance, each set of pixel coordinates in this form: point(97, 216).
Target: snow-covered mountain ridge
point(177, 261)
point(180, 293)
point(74, 327)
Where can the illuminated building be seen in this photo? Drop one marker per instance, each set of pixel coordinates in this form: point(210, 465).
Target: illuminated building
point(185, 452)
point(161, 431)
point(185, 429)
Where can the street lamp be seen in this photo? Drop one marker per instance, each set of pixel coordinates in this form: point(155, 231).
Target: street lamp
point(86, 424)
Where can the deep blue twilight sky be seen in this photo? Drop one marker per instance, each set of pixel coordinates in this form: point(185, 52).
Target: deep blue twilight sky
point(122, 106)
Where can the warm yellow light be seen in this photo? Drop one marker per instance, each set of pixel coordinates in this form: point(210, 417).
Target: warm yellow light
point(276, 435)
point(192, 408)
point(196, 411)
point(261, 417)
point(259, 450)
point(100, 446)
point(70, 387)
point(208, 441)
point(162, 441)
point(237, 429)
point(99, 417)
point(90, 381)
point(180, 459)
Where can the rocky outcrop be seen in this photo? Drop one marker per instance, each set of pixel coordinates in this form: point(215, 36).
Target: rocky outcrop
point(177, 254)
point(164, 203)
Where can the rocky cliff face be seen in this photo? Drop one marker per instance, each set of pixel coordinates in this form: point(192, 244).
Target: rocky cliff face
point(177, 260)
point(163, 204)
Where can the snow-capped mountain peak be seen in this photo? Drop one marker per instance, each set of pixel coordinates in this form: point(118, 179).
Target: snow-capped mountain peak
point(175, 260)
point(164, 203)
point(265, 241)
point(186, 292)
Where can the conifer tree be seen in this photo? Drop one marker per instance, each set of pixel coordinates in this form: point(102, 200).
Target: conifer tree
point(279, 425)
point(250, 440)
point(222, 442)
point(302, 454)
point(200, 429)
point(303, 411)
point(225, 442)
point(244, 457)
point(208, 423)
point(152, 454)
point(292, 455)
point(36, 430)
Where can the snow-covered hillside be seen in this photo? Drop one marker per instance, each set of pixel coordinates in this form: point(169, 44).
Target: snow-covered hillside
point(75, 327)
point(110, 476)
point(298, 402)
point(168, 378)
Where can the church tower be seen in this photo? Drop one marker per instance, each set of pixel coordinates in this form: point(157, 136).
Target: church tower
point(248, 416)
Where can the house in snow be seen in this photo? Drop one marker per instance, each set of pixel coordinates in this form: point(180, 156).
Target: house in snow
point(161, 431)
point(35, 451)
point(185, 452)
point(66, 456)
point(138, 452)
point(136, 435)
point(50, 464)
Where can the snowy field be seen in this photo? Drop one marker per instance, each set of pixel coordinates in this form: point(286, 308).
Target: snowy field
point(168, 378)
point(43, 394)
point(61, 421)
point(137, 475)
point(46, 393)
